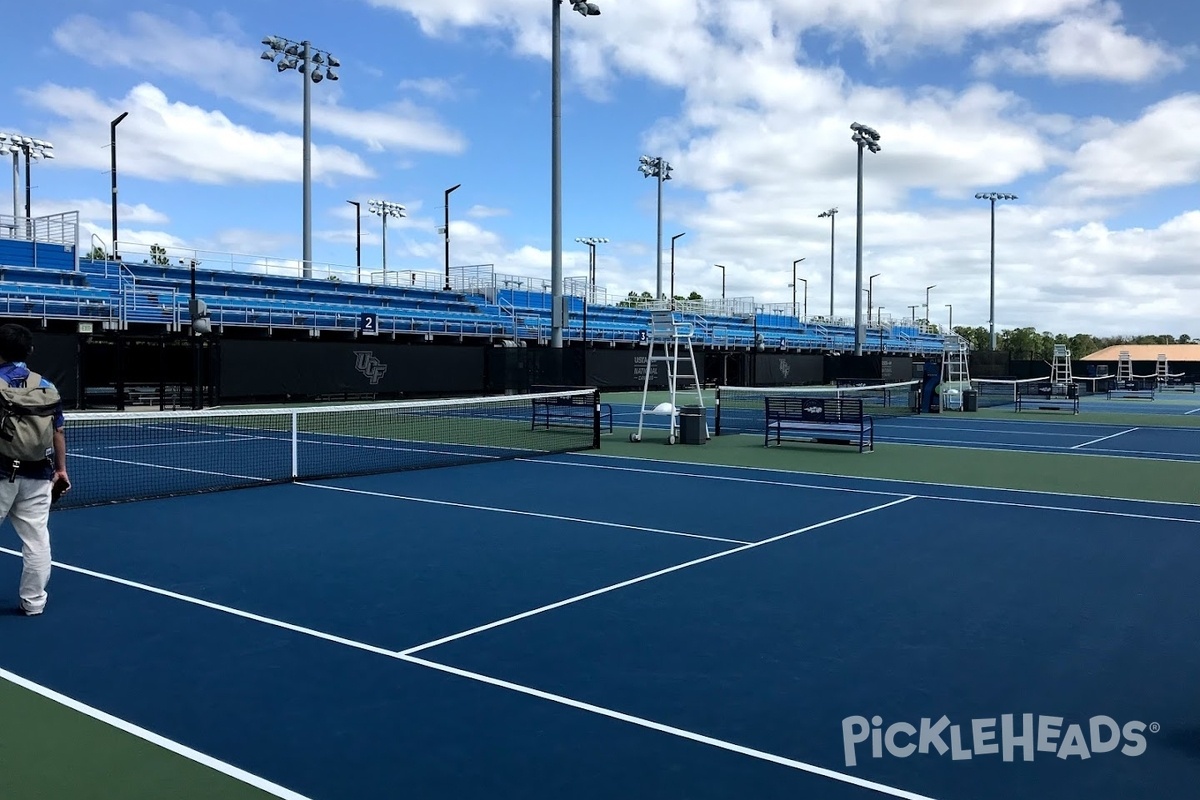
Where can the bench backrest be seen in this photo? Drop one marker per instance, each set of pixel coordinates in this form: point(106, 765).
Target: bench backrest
point(817, 409)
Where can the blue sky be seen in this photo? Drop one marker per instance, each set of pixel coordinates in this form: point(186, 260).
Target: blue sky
point(1084, 108)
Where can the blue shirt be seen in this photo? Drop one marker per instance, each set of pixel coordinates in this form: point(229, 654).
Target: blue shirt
point(14, 373)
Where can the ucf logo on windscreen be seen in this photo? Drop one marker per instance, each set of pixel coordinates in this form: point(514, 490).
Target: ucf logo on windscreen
point(1028, 735)
point(366, 363)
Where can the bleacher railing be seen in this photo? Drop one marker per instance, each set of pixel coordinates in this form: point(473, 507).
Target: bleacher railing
point(56, 229)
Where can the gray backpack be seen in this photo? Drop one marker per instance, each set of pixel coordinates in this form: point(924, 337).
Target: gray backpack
point(27, 420)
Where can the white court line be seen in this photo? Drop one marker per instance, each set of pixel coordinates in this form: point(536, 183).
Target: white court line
point(672, 731)
point(1105, 438)
point(605, 590)
point(184, 443)
point(1046, 449)
point(886, 493)
point(165, 466)
point(1193, 411)
point(153, 738)
point(889, 426)
point(280, 792)
point(556, 517)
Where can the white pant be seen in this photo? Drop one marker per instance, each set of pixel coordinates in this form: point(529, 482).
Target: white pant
point(27, 501)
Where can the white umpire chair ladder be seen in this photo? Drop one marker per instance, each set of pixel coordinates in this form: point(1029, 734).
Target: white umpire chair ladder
point(1124, 367)
point(1060, 368)
point(1162, 371)
point(670, 332)
point(956, 374)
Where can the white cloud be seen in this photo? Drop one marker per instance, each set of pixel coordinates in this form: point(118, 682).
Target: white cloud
point(152, 44)
point(1086, 46)
point(484, 212)
point(164, 140)
point(94, 210)
point(436, 88)
point(1152, 152)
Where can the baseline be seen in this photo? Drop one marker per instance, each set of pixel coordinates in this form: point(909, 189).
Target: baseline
point(170, 745)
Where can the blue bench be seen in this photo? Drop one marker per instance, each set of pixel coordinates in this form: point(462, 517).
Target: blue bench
point(823, 420)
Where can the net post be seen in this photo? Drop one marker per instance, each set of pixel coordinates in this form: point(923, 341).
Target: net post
point(717, 412)
point(295, 445)
point(596, 419)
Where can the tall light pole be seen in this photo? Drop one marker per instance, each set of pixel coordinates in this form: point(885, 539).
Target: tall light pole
point(722, 268)
point(446, 232)
point(302, 56)
point(591, 242)
point(357, 236)
point(993, 197)
point(870, 294)
point(657, 167)
point(794, 265)
point(673, 238)
point(113, 143)
point(793, 287)
point(7, 145)
point(951, 326)
point(384, 209)
point(831, 213)
point(32, 149)
point(867, 139)
point(927, 288)
point(556, 277)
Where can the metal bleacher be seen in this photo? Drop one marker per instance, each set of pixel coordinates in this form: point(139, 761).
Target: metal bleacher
point(46, 278)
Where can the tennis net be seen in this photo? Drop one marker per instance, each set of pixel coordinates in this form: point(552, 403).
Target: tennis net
point(742, 409)
point(115, 457)
point(998, 392)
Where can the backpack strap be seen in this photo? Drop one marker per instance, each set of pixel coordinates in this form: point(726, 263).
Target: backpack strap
point(30, 380)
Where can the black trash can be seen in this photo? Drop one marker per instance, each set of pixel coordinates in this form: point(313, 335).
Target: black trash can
point(970, 400)
point(691, 425)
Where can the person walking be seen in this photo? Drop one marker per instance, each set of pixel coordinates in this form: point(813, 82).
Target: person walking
point(33, 460)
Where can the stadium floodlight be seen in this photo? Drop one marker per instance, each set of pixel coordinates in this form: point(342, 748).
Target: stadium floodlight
point(832, 214)
point(556, 276)
point(992, 197)
point(302, 56)
point(33, 150)
point(866, 138)
point(591, 242)
point(385, 209)
point(657, 167)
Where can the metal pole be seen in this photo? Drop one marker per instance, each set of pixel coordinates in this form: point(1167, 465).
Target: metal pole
point(832, 225)
point(659, 249)
point(556, 176)
point(805, 301)
point(28, 200)
point(307, 269)
point(384, 215)
point(858, 328)
point(992, 313)
point(16, 190)
point(113, 142)
point(357, 236)
point(447, 233)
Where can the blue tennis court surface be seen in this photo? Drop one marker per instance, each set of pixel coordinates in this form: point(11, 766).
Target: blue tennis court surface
point(595, 627)
point(1032, 433)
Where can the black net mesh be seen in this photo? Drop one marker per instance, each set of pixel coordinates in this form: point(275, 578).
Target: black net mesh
point(115, 457)
point(743, 409)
